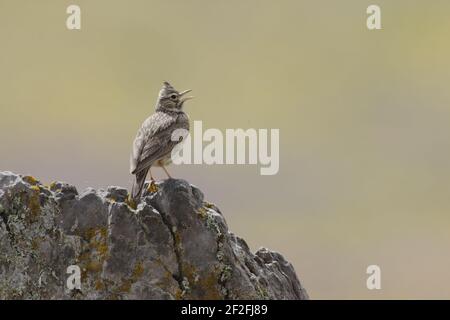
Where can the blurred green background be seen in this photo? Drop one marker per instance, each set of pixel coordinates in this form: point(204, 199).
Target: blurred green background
point(363, 117)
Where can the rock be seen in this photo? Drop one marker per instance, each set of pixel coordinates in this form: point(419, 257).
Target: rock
point(174, 245)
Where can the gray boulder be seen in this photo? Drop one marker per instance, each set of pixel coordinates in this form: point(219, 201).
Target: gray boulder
point(174, 245)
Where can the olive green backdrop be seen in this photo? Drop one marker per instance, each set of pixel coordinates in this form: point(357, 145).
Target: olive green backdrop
point(363, 117)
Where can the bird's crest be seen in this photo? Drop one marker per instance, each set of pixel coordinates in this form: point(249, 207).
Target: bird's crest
point(167, 85)
point(166, 89)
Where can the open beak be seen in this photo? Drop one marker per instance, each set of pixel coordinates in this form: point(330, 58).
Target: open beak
point(183, 99)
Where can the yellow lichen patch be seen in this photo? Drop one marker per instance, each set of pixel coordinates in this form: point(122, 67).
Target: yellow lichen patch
point(34, 206)
point(138, 271)
point(113, 296)
point(52, 186)
point(189, 272)
point(177, 239)
point(179, 294)
point(202, 212)
point(152, 187)
point(30, 180)
point(35, 244)
point(97, 240)
point(210, 283)
point(93, 256)
point(94, 266)
point(131, 203)
point(207, 283)
point(90, 233)
point(99, 285)
point(126, 284)
point(208, 205)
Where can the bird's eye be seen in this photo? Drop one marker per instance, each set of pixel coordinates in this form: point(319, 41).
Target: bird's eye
point(173, 96)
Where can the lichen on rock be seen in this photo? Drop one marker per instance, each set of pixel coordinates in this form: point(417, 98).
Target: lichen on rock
point(173, 245)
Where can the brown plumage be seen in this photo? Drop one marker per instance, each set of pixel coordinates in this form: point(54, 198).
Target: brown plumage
point(153, 144)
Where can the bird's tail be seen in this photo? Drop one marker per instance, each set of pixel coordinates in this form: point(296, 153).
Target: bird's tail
point(138, 185)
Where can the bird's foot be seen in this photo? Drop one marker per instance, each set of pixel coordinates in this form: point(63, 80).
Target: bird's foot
point(152, 187)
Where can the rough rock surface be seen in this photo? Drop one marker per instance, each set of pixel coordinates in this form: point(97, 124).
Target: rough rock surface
point(174, 245)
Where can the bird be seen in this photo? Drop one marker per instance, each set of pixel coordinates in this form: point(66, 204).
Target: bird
point(153, 144)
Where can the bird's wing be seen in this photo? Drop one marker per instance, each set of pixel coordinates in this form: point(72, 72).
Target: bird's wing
point(152, 141)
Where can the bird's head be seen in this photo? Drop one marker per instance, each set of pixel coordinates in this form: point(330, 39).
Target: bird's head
point(170, 99)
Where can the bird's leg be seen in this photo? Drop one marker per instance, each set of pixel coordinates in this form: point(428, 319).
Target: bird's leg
point(151, 176)
point(165, 170)
point(152, 186)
